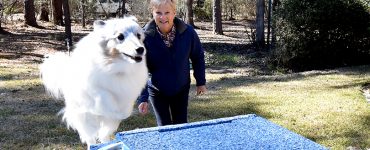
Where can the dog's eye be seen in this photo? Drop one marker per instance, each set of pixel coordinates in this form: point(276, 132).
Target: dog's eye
point(138, 35)
point(120, 37)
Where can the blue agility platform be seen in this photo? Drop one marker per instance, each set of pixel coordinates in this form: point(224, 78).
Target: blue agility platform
point(239, 132)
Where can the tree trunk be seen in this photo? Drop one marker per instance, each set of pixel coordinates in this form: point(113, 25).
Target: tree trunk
point(67, 20)
point(189, 13)
point(260, 33)
point(275, 5)
point(1, 15)
point(83, 4)
point(29, 13)
point(2, 31)
point(217, 20)
point(231, 14)
point(269, 23)
point(123, 8)
point(44, 15)
point(58, 12)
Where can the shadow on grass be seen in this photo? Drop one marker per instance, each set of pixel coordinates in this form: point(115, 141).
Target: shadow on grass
point(29, 119)
point(225, 106)
point(357, 139)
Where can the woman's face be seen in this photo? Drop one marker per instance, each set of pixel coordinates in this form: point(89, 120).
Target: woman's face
point(164, 15)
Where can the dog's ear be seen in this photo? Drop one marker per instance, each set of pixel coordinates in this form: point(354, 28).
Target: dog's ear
point(98, 24)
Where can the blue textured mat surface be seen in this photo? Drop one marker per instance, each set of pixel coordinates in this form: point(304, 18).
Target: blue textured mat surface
point(239, 132)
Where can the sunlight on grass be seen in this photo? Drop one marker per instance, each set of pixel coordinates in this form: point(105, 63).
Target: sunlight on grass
point(326, 107)
point(19, 77)
point(9, 72)
point(225, 59)
point(228, 59)
point(23, 84)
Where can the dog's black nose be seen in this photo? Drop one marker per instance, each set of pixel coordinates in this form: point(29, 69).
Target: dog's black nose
point(140, 50)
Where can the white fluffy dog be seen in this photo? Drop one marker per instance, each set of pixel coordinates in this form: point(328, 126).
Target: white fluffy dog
point(101, 80)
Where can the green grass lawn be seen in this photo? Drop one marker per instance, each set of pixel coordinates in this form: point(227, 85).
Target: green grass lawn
point(325, 106)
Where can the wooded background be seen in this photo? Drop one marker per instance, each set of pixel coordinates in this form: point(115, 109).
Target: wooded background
point(298, 34)
point(86, 10)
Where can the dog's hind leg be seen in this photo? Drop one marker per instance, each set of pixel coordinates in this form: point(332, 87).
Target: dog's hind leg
point(107, 128)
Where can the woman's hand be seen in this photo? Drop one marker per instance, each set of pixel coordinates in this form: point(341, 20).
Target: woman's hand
point(201, 90)
point(143, 108)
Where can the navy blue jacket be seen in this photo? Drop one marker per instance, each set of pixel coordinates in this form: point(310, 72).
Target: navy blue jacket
point(169, 68)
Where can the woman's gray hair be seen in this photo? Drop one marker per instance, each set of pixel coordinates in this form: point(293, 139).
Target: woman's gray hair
point(157, 3)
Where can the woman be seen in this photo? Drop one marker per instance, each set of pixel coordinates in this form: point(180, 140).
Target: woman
point(170, 43)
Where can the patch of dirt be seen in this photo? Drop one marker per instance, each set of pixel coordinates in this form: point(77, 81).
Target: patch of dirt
point(30, 44)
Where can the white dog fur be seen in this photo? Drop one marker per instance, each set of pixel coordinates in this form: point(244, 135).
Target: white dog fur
point(101, 80)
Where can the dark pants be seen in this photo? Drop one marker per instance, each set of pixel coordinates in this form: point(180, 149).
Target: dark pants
point(170, 109)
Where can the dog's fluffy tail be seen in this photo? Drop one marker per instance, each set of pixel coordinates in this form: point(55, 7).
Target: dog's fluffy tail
point(52, 72)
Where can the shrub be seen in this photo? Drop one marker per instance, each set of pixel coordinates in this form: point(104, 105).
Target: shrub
point(318, 34)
